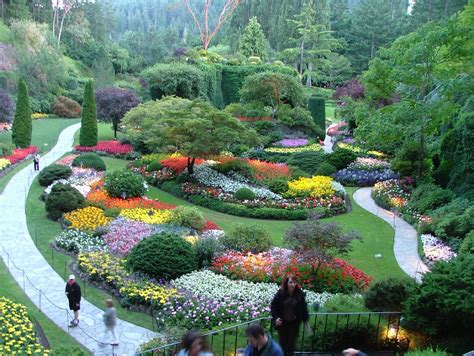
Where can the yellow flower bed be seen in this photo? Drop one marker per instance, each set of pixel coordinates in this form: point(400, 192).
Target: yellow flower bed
point(317, 186)
point(89, 218)
point(4, 163)
point(17, 333)
point(38, 116)
point(377, 154)
point(313, 147)
point(103, 267)
point(147, 215)
point(191, 239)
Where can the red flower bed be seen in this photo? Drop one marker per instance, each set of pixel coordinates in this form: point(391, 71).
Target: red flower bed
point(110, 147)
point(101, 198)
point(178, 164)
point(335, 276)
point(267, 171)
point(210, 225)
point(20, 154)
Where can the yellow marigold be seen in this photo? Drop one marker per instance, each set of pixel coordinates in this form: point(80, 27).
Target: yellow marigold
point(89, 218)
point(38, 116)
point(317, 186)
point(313, 147)
point(191, 239)
point(147, 215)
point(4, 163)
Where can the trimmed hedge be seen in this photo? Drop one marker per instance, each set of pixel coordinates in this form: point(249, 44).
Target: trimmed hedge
point(53, 172)
point(63, 199)
point(317, 108)
point(89, 160)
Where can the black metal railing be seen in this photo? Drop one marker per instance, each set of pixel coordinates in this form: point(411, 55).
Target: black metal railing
point(330, 333)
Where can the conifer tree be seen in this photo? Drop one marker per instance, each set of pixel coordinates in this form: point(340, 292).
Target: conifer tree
point(21, 128)
point(253, 41)
point(88, 134)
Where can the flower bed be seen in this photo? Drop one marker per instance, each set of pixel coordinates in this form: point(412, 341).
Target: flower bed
point(17, 332)
point(392, 193)
point(265, 171)
point(351, 146)
point(17, 156)
point(123, 234)
point(179, 164)
point(83, 179)
point(313, 147)
point(147, 215)
point(335, 277)
point(109, 147)
point(88, 218)
point(368, 164)
point(102, 199)
point(76, 241)
point(435, 250)
point(363, 177)
point(67, 160)
point(4, 163)
point(292, 142)
point(316, 186)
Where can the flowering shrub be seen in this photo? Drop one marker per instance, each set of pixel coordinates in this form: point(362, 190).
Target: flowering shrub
point(316, 186)
point(79, 241)
point(110, 147)
point(293, 142)
point(88, 218)
point(313, 147)
point(38, 116)
point(265, 171)
point(435, 250)
point(392, 193)
point(123, 234)
point(105, 268)
point(4, 163)
point(210, 225)
point(17, 332)
point(179, 164)
point(81, 178)
point(149, 216)
point(368, 164)
point(66, 160)
point(362, 178)
point(335, 276)
point(20, 154)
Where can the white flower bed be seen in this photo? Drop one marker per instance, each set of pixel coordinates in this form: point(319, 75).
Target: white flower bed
point(79, 241)
point(435, 249)
point(209, 177)
point(339, 188)
point(213, 234)
point(217, 287)
point(81, 179)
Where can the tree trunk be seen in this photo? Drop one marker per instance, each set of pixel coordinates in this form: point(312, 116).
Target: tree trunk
point(190, 164)
point(61, 28)
point(421, 152)
point(372, 48)
point(308, 78)
point(301, 59)
point(115, 130)
point(445, 8)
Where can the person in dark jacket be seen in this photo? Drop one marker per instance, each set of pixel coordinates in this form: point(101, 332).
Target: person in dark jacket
point(289, 310)
point(73, 293)
point(261, 343)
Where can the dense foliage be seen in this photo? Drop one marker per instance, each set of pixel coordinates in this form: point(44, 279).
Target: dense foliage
point(7, 107)
point(124, 184)
point(21, 128)
point(89, 160)
point(88, 133)
point(65, 107)
point(53, 172)
point(62, 199)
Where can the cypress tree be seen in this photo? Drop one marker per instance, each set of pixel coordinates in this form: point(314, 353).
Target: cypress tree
point(253, 41)
point(88, 134)
point(317, 108)
point(21, 128)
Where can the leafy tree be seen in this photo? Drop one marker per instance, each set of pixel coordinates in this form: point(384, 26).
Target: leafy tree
point(21, 128)
point(192, 128)
point(102, 69)
point(114, 103)
point(253, 41)
point(88, 133)
point(7, 107)
point(18, 9)
point(434, 10)
point(337, 71)
point(352, 88)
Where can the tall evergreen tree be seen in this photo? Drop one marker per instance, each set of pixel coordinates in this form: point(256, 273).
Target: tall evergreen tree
point(21, 128)
point(253, 41)
point(88, 134)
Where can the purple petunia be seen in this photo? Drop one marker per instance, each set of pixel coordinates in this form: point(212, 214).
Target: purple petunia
point(293, 142)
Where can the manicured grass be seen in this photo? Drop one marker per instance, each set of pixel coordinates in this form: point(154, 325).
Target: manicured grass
point(114, 164)
point(105, 133)
point(330, 112)
point(377, 235)
point(45, 131)
point(57, 337)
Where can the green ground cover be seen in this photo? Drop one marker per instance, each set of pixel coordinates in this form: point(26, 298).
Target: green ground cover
point(57, 338)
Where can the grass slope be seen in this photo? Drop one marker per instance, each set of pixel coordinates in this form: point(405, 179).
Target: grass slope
point(57, 337)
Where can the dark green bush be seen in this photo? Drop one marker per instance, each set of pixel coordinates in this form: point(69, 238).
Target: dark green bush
point(188, 217)
point(62, 199)
point(467, 246)
point(278, 186)
point(344, 303)
point(308, 161)
point(427, 197)
point(247, 237)
point(236, 165)
point(325, 169)
point(388, 294)
point(154, 166)
point(264, 127)
point(53, 172)
point(112, 212)
point(341, 158)
point(89, 160)
point(163, 255)
point(317, 108)
point(124, 184)
point(244, 194)
point(406, 161)
point(206, 249)
point(298, 173)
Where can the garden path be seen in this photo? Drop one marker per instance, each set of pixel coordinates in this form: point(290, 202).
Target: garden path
point(406, 239)
point(48, 295)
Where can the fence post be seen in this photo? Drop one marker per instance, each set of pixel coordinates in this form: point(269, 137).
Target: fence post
point(52, 256)
point(40, 299)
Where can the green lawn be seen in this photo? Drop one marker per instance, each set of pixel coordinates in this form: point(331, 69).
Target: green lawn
point(105, 133)
point(57, 337)
point(45, 131)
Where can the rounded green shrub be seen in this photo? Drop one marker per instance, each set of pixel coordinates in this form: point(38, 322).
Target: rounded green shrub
point(325, 169)
point(125, 184)
point(247, 237)
point(236, 165)
point(467, 246)
point(163, 255)
point(427, 197)
point(341, 158)
point(112, 212)
point(387, 294)
point(308, 161)
point(89, 160)
point(53, 172)
point(244, 194)
point(278, 186)
point(188, 217)
point(154, 166)
point(62, 199)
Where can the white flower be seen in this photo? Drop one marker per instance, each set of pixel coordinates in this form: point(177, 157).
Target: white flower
point(435, 249)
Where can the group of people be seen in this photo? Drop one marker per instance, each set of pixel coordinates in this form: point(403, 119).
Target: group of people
point(288, 309)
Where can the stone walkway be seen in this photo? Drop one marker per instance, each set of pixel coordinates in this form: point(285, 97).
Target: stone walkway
point(405, 244)
point(49, 296)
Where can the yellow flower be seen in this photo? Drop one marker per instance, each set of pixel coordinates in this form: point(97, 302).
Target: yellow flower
point(191, 239)
point(38, 116)
point(89, 218)
point(147, 215)
point(4, 163)
point(316, 187)
point(313, 147)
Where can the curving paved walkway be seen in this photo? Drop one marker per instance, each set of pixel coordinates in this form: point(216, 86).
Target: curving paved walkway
point(405, 244)
point(16, 241)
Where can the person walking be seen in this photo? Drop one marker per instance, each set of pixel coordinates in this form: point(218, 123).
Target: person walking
point(73, 293)
point(289, 309)
point(260, 343)
point(36, 162)
point(193, 344)
point(110, 322)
